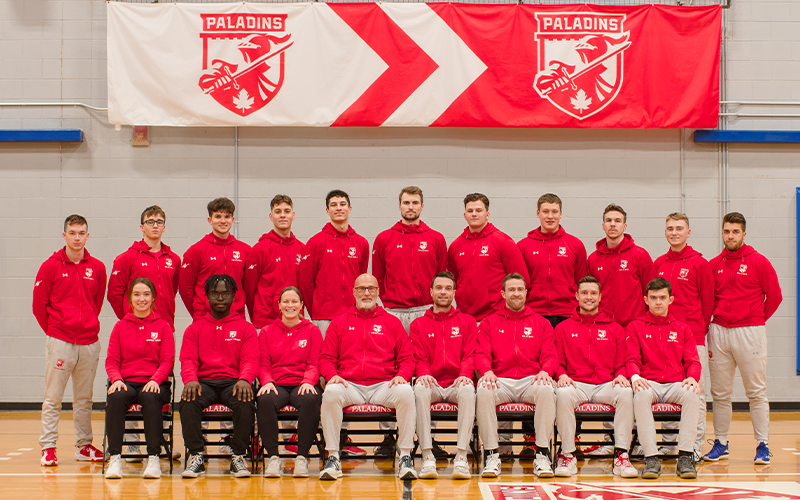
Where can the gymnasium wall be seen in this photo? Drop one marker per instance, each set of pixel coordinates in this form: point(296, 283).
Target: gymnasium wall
point(55, 51)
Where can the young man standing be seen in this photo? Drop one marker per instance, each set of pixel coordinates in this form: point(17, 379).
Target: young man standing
point(444, 342)
point(693, 287)
point(663, 366)
point(219, 252)
point(479, 258)
point(67, 299)
point(272, 264)
point(747, 295)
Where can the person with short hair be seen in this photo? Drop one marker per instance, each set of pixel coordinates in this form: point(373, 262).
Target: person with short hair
point(444, 342)
point(219, 362)
point(591, 369)
point(67, 299)
point(139, 362)
point(515, 357)
point(663, 365)
point(747, 293)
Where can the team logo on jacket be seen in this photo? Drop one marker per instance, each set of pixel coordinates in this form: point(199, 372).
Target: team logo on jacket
point(484, 249)
point(154, 337)
point(423, 246)
point(232, 336)
point(236, 255)
point(455, 332)
point(59, 364)
point(302, 343)
point(673, 337)
point(580, 59)
point(352, 253)
point(243, 59)
point(376, 330)
point(527, 331)
point(89, 273)
point(299, 259)
point(168, 263)
point(683, 274)
point(743, 269)
point(623, 265)
point(562, 251)
point(601, 335)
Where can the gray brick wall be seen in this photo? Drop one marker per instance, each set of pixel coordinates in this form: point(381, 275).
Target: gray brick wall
point(55, 50)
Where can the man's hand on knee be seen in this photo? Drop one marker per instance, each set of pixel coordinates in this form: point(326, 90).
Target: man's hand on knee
point(691, 384)
point(243, 391)
point(427, 381)
point(398, 380)
point(191, 391)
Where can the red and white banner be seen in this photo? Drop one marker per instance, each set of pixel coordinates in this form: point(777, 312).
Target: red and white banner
point(413, 64)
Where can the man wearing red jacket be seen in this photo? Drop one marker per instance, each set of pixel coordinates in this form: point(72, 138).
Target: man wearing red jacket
point(444, 342)
point(367, 359)
point(479, 258)
point(515, 357)
point(591, 369)
point(272, 264)
point(219, 362)
point(67, 299)
point(151, 259)
point(219, 252)
point(747, 294)
point(693, 287)
point(405, 258)
point(663, 365)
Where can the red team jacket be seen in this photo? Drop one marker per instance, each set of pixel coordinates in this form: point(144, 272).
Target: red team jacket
point(747, 288)
point(272, 265)
point(366, 348)
point(140, 350)
point(68, 297)
point(623, 272)
point(444, 345)
point(163, 268)
point(404, 260)
point(661, 349)
point(516, 344)
point(330, 266)
point(693, 287)
point(219, 350)
point(479, 262)
point(209, 256)
point(591, 349)
point(555, 263)
point(289, 356)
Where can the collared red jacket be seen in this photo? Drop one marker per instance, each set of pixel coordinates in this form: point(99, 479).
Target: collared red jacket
point(661, 349)
point(444, 345)
point(591, 348)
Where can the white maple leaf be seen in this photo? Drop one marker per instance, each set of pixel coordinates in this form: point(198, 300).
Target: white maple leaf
point(244, 101)
point(580, 102)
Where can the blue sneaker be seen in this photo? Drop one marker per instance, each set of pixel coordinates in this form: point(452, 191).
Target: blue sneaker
point(762, 453)
point(719, 452)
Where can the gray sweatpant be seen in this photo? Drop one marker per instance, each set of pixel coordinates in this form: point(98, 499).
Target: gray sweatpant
point(464, 396)
point(745, 347)
point(702, 353)
point(511, 390)
point(337, 396)
point(407, 315)
point(62, 360)
point(666, 393)
point(568, 398)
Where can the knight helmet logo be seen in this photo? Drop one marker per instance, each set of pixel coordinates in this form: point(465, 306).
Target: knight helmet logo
point(236, 254)
point(454, 331)
point(423, 245)
point(352, 251)
point(527, 331)
point(153, 335)
point(377, 329)
point(580, 60)
point(485, 249)
point(232, 334)
point(684, 274)
point(623, 264)
point(743, 269)
point(562, 251)
point(243, 59)
point(302, 343)
point(299, 258)
point(89, 272)
point(59, 364)
point(673, 336)
point(168, 262)
point(601, 334)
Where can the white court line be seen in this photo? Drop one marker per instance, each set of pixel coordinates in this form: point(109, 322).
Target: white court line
point(5, 458)
point(789, 449)
point(14, 454)
point(700, 476)
point(25, 449)
point(796, 453)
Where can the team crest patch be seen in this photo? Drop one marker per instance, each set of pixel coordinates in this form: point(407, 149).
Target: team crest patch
point(743, 269)
point(455, 332)
point(580, 57)
point(673, 336)
point(302, 343)
point(527, 331)
point(767, 490)
point(562, 251)
point(623, 264)
point(232, 336)
point(352, 252)
point(376, 329)
point(423, 245)
point(683, 274)
point(168, 262)
point(243, 59)
point(89, 273)
point(236, 254)
point(485, 249)
point(59, 364)
point(601, 334)
point(299, 258)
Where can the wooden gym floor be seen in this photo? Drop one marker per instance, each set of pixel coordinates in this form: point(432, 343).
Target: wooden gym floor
point(21, 476)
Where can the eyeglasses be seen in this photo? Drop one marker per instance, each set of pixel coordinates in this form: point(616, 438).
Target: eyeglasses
point(363, 289)
point(220, 295)
point(157, 223)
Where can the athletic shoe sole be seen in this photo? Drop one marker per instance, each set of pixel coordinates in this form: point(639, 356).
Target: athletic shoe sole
point(409, 474)
point(330, 476)
point(650, 475)
point(460, 475)
point(242, 474)
point(191, 474)
point(721, 457)
point(429, 475)
point(688, 475)
point(544, 474)
point(490, 474)
point(761, 461)
point(618, 472)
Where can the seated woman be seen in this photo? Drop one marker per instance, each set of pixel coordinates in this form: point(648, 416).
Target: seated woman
point(289, 374)
point(140, 358)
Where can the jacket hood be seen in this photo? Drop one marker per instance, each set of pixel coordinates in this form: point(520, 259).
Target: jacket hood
point(328, 228)
point(141, 246)
point(62, 255)
point(600, 317)
point(215, 240)
point(227, 319)
point(132, 318)
point(411, 228)
point(273, 236)
point(538, 234)
point(280, 325)
point(508, 313)
point(442, 316)
point(625, 244)
point(483, 233)
point(738, 254)
point(657, 320)
point(684, 254)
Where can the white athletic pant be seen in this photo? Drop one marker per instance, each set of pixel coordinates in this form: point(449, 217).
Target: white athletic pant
point(323, 325)
point(745, 347)
point(463, 396)
point(568, 398)
point(702, 353)
point(63, 360)
point(666, 393)
point(511, 390)
point(400, 397)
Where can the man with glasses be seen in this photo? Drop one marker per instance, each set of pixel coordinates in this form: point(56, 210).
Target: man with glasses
point(367, 359)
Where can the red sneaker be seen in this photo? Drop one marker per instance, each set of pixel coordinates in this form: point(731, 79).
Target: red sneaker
point(353, 451)
point(49, 457)
point(292, 448)
point(88, 453)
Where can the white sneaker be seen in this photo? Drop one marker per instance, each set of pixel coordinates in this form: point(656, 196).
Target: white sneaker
point(461, 470)
point(153, 469)
point(542, 466)
point(428, 470)
point(300, 466)
point(602, 451)
point(623, 467)
point(566, 466)
point(273, 466)
point(492, 466)
point(114, 469)
point(133, 450)
point(406, 468)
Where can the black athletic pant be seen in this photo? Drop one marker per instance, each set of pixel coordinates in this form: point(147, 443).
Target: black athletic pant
point(217, 392)
point(117, 405)
point(307, 422)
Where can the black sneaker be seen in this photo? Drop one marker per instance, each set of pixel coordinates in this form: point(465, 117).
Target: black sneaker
point(239, 466)
point(194, 467)
point(652, 468)
point(386, 449)
point(686, 468)
point(440, 453)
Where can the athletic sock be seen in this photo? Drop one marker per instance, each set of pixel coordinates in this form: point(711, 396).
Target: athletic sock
point(427, 455)
point(404, 452)
point(334, 454)
point(461, 454)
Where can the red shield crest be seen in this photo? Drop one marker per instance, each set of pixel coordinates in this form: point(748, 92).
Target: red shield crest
point(243, 56)
point(580, 58)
